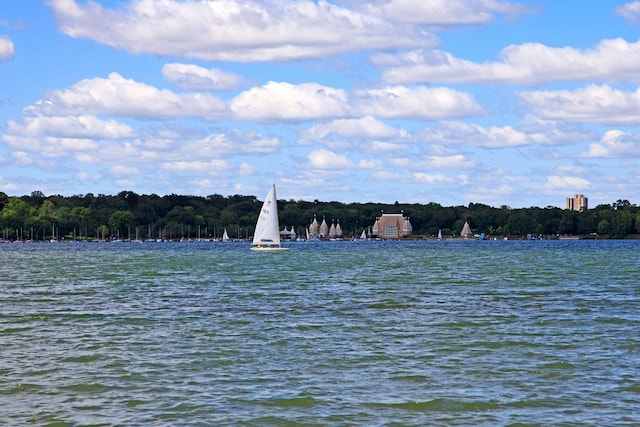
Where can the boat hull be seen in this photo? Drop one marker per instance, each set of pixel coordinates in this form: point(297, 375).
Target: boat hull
point(268, 249)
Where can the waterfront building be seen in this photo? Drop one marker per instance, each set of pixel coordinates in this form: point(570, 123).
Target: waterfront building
point(323, 231)
point(578, 203)
point(466, 231)
point(392, 226)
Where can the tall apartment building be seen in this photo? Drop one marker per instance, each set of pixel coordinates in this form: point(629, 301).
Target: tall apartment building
point(578, 203)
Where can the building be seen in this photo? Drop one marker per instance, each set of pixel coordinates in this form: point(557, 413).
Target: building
point(392, 226)
point(323, 231)
point(466, 231)
point(577, 203)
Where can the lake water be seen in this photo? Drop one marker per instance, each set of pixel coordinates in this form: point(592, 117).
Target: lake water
point(448, 333)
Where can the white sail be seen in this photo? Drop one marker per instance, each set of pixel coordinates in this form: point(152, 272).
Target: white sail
point(363, 236)
point(267, 234)
point(225, 236)
point(439, 234)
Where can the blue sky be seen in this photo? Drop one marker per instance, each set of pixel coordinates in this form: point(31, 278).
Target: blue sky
point(518, 103)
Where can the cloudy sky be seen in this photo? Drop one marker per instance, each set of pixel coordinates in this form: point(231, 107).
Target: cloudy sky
point(519, 103)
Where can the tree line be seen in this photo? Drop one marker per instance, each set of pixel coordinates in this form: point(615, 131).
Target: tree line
point(130, 215)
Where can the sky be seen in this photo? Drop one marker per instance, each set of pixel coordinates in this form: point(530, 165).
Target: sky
point(517, 103)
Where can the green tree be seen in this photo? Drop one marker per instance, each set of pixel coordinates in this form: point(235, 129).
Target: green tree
point(15, 214)
point(604, 228)
point(121, 221)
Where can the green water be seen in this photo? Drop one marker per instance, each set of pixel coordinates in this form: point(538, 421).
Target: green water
point(325, 334)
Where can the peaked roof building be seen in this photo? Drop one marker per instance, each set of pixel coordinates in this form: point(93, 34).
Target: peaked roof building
point(392, 226)
point(323, 231)
point(466, 231)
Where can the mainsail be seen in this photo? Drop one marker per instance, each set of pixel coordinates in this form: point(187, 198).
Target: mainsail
point(267, 234)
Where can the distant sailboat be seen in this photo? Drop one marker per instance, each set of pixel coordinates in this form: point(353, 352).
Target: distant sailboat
point(363, 236)
point(267, 234)
point(225, 236)
point(439, 234)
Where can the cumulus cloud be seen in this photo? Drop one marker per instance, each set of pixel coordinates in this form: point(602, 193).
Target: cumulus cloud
point(6, 48)
point(615, 144)
point(286, 101)
point(531, 131)
point(123, 97)
point(235, 30)
point(355, 112)
point(48, 146)
point(365, 127)
point(123, 170)
point(416, 102)
point(432, 178)
point(460, 133)
point(82, 126)
point(525, 64)
point(328, 160)
point(454, 161)
point(629, 11)
point(193, 77)
point(197, 166)
point(566, 183)
point(596, 104)
point(450, 12)
point(232, 143)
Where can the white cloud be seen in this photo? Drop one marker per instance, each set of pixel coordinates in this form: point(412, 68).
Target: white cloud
point(232, 143)
point(196, 166)
point(525, 64)
point(432, 178)
point(385, 175)
point(6, 48)
point(51, 146)
point(629, 11)
point(70, 127)
point(595, 104)
point(416, 102)
point(615, 144)
point(566, 183)
point(365, 127)
point(126, 97)
point(123, 170)
point(547, 132)
point(234, 30)
point(22, 158)
point(456, 161)
point(449, 12)
point(369, 164)
point(286, 101)
point(245, 169)
point(193, 77)
point(453, 161)
point(6, 186)
point(328, 160)
point(460, 133)
point(531, 131)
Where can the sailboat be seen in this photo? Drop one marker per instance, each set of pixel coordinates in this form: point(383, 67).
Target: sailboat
point(225, 236)
point(267, 234)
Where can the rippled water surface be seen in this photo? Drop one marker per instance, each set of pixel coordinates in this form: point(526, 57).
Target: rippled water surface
point(325, 334)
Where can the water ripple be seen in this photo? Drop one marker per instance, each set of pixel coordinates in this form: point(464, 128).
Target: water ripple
point(339, 333)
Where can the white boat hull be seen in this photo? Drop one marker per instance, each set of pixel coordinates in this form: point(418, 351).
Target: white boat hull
point(268, 249)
